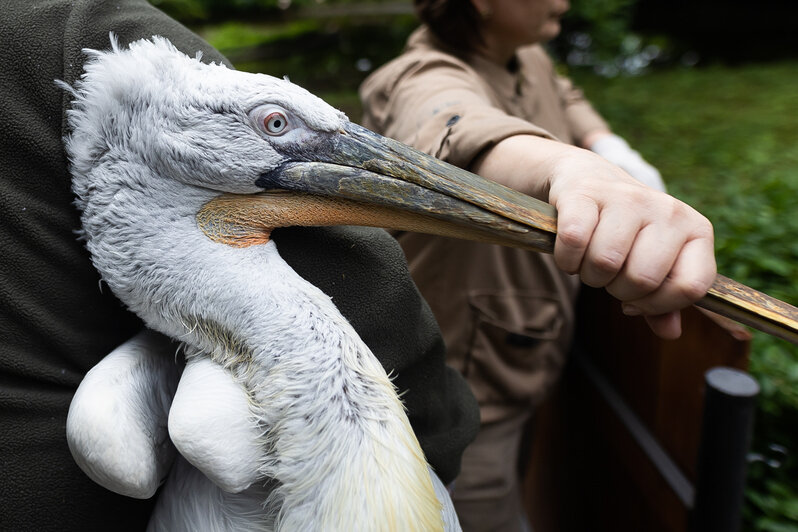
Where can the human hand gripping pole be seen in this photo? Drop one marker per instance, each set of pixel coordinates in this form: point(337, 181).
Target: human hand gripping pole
point(726, 296)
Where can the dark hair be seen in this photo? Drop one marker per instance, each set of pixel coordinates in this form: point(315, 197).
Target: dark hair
point(455, 22)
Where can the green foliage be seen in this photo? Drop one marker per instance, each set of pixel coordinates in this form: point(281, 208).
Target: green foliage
point(598, 34)
point(210, 11)
point(597, 30)
point(607, 22)
point(777, 503)
point(229, 37)
point(725, 142)
point(198, 12)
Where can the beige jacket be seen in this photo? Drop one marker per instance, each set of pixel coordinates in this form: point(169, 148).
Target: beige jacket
point(506, 314)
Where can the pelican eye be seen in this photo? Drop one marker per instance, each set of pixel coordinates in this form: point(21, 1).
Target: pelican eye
point(275, 123)
point(271, 120)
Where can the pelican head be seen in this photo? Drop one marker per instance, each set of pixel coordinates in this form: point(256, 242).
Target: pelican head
point(180, 168)
point(212, 128)
point(202, 125)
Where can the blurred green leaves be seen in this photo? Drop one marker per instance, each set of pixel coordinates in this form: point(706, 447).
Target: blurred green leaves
point(230, 37)
point(607, 23)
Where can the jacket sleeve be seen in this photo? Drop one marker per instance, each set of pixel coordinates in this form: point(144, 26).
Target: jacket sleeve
point(440, 106)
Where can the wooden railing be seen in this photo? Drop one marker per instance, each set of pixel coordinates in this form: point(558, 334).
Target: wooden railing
point(617, 446)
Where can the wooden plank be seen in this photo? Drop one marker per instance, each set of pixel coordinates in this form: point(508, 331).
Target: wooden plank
point(586, 471)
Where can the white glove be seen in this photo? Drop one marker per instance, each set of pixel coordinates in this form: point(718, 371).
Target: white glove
point(617, 151)
point(117, 423)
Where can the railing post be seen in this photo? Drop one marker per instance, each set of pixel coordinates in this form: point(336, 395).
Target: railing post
point(725, 438)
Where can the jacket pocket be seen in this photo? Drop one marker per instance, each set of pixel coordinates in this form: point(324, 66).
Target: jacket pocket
point(517, 350)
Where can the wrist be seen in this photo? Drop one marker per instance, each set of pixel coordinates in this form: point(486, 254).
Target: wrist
point(525, 163)
point(579, 170)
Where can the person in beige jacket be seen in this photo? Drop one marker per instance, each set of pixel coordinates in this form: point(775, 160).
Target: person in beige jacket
point(475, 88)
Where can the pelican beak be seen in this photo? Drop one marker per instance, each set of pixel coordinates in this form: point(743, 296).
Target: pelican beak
point(357, 177)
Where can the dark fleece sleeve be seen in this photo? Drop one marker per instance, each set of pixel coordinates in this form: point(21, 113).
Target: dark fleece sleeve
point(56, 321)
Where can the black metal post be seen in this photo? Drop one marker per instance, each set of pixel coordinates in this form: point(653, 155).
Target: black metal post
point(725, 439)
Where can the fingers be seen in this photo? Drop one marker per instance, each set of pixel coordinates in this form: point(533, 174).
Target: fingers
point(688, 280)
point(577, 218)
point(648, 263)
point(609, 248)
point(116, 427)
point(649, 250)
point(211, 424)
point(668, 326)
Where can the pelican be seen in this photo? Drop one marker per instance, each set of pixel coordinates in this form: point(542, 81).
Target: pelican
point(282, 419)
